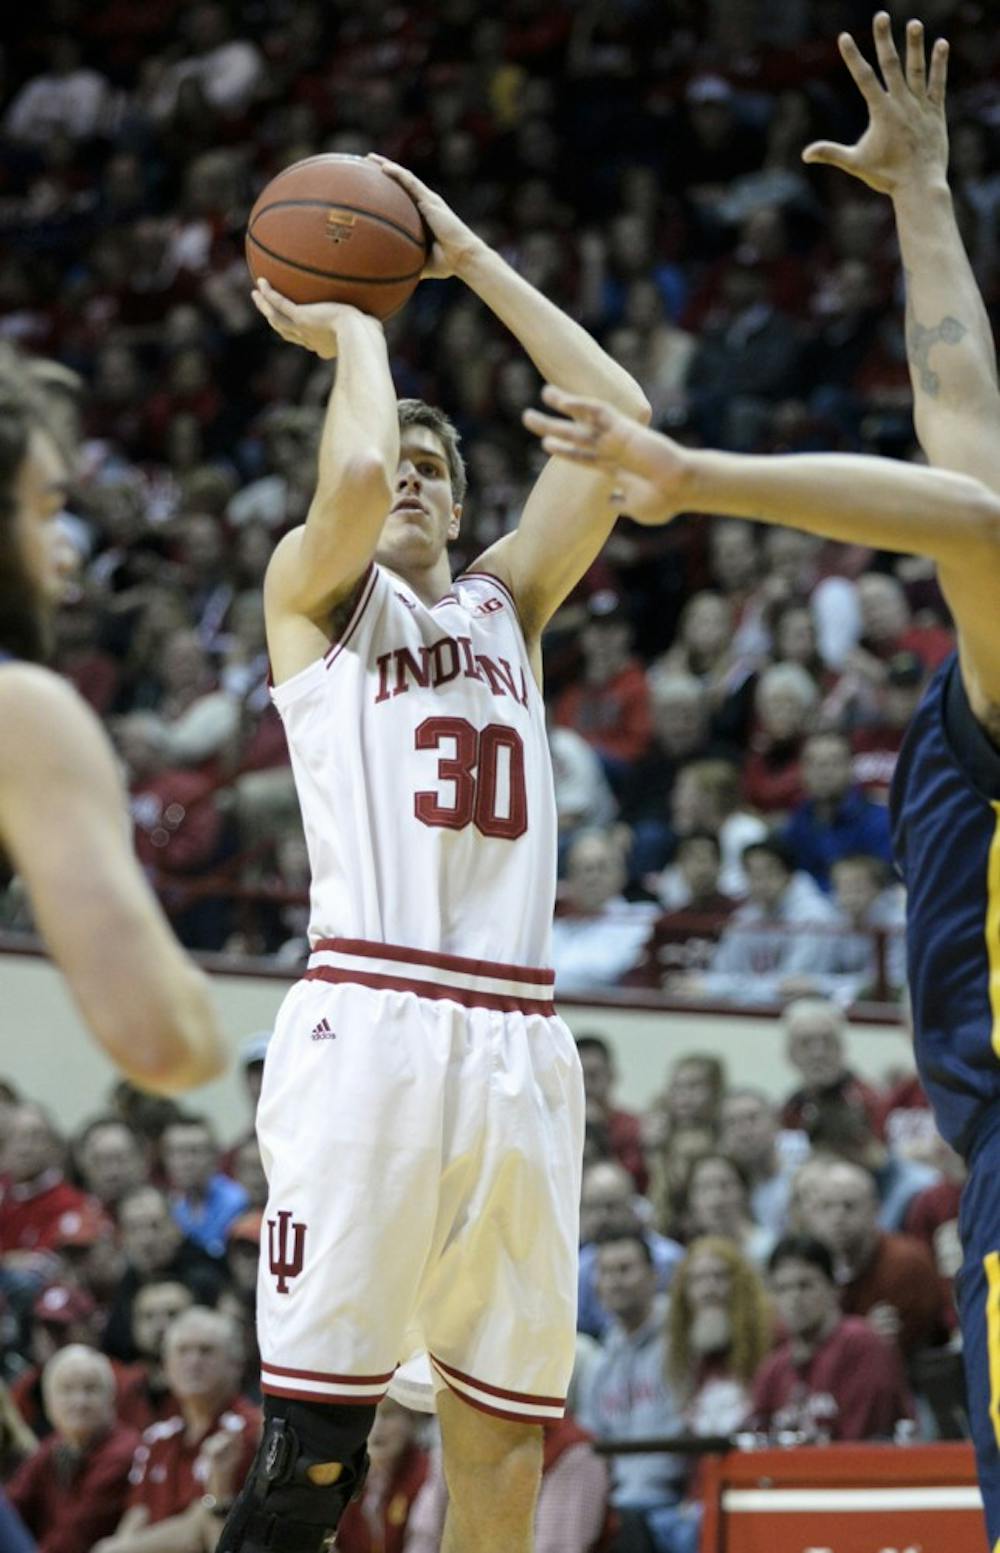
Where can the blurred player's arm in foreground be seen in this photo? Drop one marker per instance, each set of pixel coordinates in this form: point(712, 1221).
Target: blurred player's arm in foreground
point(874, 501)
point(63, 825)
point(952, 358)
point(566, 518)
point(318, 564)
point(904, 153)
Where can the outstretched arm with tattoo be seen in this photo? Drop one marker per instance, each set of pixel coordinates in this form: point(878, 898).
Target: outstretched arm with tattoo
point(904, 153)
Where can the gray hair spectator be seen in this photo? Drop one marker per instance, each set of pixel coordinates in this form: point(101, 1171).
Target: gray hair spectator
point(816, 1046)
point(71, 1492)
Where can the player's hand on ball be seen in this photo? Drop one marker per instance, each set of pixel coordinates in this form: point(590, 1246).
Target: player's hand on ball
point(454, 242)
point(313, 325)
point(906, 140)
point(648, 472)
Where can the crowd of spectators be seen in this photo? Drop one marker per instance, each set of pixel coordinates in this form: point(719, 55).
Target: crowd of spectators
point(711, 687)
point(749, 1270)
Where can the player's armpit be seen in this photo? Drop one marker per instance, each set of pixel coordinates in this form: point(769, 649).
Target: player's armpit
point(62, 825)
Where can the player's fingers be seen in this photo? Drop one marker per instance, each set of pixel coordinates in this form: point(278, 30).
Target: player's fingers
point(559, 448)
point(916, 64)
point(576, 432)
point(401, 175)
point(591, 411)
point(829, 154)
point(862, 74)
point(937, 81)
point(281, 304)
point(886, 51)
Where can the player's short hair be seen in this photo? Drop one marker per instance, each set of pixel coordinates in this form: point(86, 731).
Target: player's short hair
point(416, 412)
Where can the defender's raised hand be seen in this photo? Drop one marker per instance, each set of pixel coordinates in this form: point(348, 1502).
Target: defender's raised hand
point(454, 242)
point(648, 471)
point(906, 140)
point(313, 325)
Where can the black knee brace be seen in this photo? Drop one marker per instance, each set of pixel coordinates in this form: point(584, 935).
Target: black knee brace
point(279, 1510)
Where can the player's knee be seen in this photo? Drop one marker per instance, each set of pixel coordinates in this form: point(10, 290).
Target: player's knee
point(477, 1441)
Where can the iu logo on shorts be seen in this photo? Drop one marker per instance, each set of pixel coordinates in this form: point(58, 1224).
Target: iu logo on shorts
point(284, 1260)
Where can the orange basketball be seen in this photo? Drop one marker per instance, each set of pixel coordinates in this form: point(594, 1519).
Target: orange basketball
point(338, 229)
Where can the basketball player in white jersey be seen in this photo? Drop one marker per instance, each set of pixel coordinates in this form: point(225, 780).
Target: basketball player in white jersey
point(421, 1118)
point(63, 818)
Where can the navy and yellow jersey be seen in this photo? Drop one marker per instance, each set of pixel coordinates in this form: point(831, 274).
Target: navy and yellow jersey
point(945, 808)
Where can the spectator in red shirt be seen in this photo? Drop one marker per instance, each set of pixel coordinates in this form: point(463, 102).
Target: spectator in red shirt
point(622, 1128)
point(814, 1032)
point(34, 1194)
point(932, 1216)
point(888, 627)
point(832, 1378)
point(891, 1279)
point(178, 826)
point(144, 1395)
point(187, 1470)
point(610, 705)
point(378, 1521)
point(71, 1492)
point(684, 939)
point(785, 700)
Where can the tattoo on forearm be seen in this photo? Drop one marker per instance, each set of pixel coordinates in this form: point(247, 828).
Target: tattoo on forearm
point(920, 341)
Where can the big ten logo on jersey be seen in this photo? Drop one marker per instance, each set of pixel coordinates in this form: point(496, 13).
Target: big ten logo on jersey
point(488, 607)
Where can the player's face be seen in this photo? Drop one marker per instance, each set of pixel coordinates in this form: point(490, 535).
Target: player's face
point(423, 517)
point(39, 494)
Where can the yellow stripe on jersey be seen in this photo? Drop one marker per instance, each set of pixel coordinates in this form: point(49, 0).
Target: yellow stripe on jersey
point(991, 1267)
point(993, 927)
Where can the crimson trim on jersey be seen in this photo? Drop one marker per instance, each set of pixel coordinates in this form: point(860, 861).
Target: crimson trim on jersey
point(359, 609)
point(344, 1400)
point(443, 962)
point(430, 989)
point(496, 1391)
point(353, 1380)
point(510, 1413)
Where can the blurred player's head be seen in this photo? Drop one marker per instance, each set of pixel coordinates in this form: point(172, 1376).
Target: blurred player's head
point(428, 489)
point(33, 480)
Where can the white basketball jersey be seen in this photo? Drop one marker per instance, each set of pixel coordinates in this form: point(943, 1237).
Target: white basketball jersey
point(420, 756)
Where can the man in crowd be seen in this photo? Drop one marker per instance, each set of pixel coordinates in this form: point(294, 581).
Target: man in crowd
point(600, 935)
point(188, 1469)
point(72, 1491)
point(34, 1193)
point(835, 818)
point(61, 1317)
point(816, 1048)
point(144, 1396)
point(204, 1202)
point(832, 1378)
point(111, 1161)
point(627, 1396)
point(608, 1201)
point(891, 1279)
point(155, 1248)
point(622, 1129)
point(749, 1135)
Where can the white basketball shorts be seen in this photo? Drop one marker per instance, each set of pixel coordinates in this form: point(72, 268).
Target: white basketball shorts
point(421, 1124)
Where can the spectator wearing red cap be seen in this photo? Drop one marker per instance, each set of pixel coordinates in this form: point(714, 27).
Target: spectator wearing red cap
point(72, 1491)
point(610, 705)
point(34, 1194)
point(187, 1469)
point(61, 1317)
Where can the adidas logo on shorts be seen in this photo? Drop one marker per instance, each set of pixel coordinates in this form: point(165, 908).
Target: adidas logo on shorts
point(323, 1032)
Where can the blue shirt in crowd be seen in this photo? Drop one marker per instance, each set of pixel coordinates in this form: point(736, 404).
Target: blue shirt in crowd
point(858, 825)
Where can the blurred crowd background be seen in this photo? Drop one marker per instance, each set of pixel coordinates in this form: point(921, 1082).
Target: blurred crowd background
point(726, 703)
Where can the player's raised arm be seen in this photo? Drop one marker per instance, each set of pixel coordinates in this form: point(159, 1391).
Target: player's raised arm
point(316, 565)
point(872, 501)
point(904, 153)
point(63, 824)
point(567, 517)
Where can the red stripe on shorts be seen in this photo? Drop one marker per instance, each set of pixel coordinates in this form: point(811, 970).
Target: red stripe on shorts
point(346, 1400)
point(432, 989)
point(496, 1391)
point(357, 1380)
point(442, 962)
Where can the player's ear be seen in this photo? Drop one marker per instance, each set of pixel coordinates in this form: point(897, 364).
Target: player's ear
point(455, 521)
